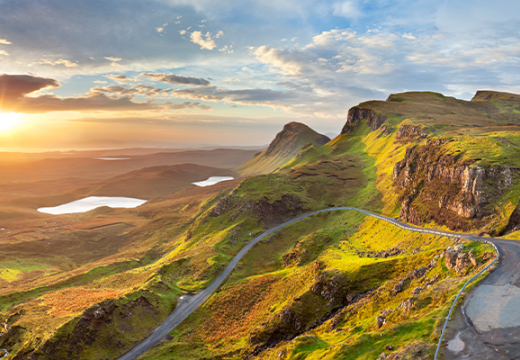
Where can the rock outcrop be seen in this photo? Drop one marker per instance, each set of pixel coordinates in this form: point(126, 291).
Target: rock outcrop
point(458, 261)
point(356, 115)
point(411, 131)
point(270, 213)
point(442, 187)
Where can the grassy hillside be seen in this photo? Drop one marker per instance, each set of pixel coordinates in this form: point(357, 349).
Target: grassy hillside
point(336, 285)
point(284, 147)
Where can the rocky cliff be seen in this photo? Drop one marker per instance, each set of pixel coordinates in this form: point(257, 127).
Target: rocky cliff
point(356, 115)
point(435, 185)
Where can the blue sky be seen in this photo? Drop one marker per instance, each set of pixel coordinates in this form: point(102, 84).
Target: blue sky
point(232, 73)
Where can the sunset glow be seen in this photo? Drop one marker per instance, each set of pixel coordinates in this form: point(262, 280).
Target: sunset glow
point(217, 73)
point(8, 121)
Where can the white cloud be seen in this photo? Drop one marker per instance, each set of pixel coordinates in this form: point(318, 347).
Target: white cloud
point(205, 41)
point(219, 34)
point(5, 42)
point(227, 49)
point(100, 82)
point(66, 63)
point(409, 36)
point(160, 29)
point(347, 9)
point(3, 53)
point(182, 32)
point(115, 59)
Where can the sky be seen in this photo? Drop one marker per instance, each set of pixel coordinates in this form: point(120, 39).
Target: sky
point(161, 73)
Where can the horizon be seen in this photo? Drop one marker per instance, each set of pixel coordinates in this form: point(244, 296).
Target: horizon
point(164, 72)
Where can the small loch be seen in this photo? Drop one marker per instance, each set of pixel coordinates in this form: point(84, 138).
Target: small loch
point(92, 202)
point(213, 180)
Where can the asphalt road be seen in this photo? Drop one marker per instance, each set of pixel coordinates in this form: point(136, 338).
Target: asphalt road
point(491, 313)
point(508, 268)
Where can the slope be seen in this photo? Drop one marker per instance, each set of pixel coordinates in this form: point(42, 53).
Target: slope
point(284, 147)
point(332, 286)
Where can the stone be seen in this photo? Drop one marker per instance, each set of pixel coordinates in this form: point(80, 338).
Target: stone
point(399, 286)
point(380, 320)
point(417, 290)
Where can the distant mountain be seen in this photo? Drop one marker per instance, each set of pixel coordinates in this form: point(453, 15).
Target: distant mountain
point(157, 181)
point(94, 168)
point(283, 148)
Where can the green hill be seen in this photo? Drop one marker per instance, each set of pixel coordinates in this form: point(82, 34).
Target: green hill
point(284, 147)
point(333, 286)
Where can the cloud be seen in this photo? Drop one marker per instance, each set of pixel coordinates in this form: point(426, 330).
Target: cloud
point(114, 60)
point(226, 49)
point(219, 34)
point(139, 89)
point(121, 79)
point(177, 79)
point(189, 105)
point(5, 42)
point(160, 29)
point(347, 9)
point(100, 82)
point(66, 63)
point(3, 53)
point(205, 41)
point(14, 87)
point(182, 32)
point(18, 93)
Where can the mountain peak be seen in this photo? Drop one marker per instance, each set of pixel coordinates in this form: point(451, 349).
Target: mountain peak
point(284, 147)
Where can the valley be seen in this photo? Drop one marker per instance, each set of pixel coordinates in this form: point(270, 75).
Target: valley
point(247, 280)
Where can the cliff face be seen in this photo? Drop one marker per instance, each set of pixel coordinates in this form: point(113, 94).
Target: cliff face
point(356, 114)
point(487, 95)
point(444, 188)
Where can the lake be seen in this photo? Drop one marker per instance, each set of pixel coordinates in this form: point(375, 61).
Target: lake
point(91, 203)
point(213, 180)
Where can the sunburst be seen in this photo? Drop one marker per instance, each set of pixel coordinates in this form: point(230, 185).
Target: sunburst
point(8, 121)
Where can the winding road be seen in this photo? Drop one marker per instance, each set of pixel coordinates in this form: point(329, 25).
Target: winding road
point(493, 308)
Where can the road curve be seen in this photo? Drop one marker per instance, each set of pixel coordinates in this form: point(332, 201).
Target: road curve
point(189, 303)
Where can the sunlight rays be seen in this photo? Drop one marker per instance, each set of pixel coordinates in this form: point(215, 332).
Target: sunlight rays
point(8, 121)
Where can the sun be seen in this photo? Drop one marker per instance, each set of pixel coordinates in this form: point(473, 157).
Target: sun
point(8, 121)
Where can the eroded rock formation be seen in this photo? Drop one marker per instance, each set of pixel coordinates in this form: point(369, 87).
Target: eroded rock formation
point(356, 114)
point(439, 186)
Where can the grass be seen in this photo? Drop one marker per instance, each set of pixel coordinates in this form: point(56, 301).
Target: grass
point(177, 243)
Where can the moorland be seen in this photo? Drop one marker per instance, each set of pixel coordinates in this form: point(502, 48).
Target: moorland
point(335, 285)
